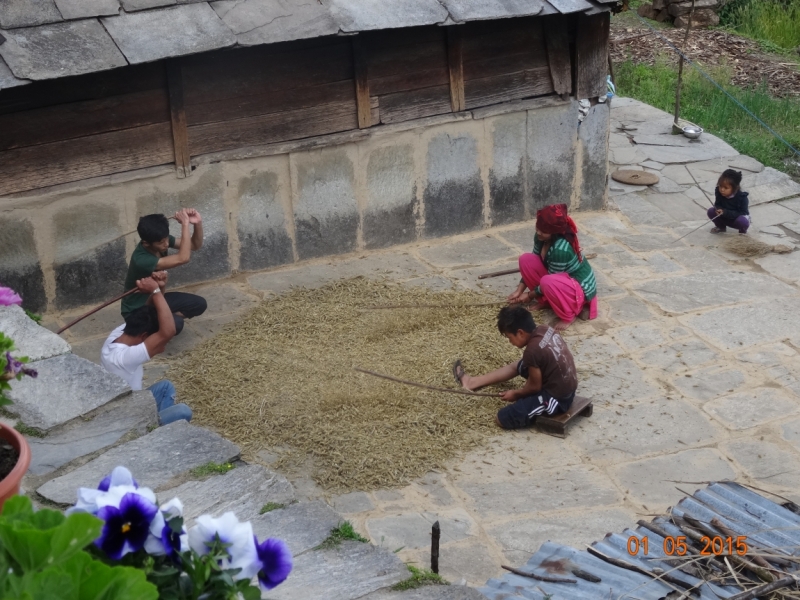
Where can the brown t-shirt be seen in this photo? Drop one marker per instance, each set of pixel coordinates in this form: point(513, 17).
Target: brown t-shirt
point(548, 352)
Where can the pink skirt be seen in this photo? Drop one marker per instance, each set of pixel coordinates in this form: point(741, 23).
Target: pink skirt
point(560, 291)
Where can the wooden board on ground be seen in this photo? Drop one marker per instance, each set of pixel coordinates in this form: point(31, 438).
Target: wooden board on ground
point(557, 424)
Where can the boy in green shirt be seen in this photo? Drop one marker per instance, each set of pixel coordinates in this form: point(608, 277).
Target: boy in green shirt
point(150, 255)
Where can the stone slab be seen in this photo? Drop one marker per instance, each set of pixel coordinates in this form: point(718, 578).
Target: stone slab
point(739, 327)
point(431, 592)
point(783, 266)
point(464, 10)
point(244, 490)
point(155, 460)
point(353, 15)
point(502, 286)
point(709, 148)
point(653, 165)
point(691, 292)
point(81, 9)
point(27, 13)
point(707, 384)
point(60, 50)
point(665, 185)
point(628, 310)
point(149, 35)
point(743, 410)
point(640, 212)
point(522, 238)
point(616, 382)
point(697, 259)
point(350, 571)
point(30, 339)
point(771, 214)
point(646, 243)
point(570, 487)
point(576, 530)
point(620, 434)
point(129, 415)
point(266, 22)
point(389, 216)
point(677, 173)
point(768, 356)
point(652, 482)
point(396, 265)
point(552, 139)
point(354, 502)
point(413, 530)
point(134, 5)
point(67, 387)
point(679, 205)
point(678, 357)
point(767, 463)
point(302, 526)
point(595, 349)
point(7, 79)
point(790, 431)
point(593, 136)
point(468, 253)
point(600, 223)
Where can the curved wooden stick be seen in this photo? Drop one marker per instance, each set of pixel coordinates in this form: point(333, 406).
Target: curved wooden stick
point(424, 386)
point(392, 306)
point(94, 310)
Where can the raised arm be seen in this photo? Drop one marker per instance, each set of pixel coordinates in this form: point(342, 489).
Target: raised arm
point(184, 250)
point(156, 342)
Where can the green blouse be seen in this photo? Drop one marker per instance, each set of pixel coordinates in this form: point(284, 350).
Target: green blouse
point(561, 258)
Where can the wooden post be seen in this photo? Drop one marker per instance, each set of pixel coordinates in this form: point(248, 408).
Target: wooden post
point(362, 83)
point(556, 37)
point(180, 135)
point(435, 533)
point(680, 69)
point(455, 65)
point(591, 55)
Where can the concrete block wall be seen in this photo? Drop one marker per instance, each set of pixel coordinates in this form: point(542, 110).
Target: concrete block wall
point(394, 186)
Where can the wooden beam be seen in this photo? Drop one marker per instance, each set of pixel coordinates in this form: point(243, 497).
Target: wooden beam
point(180, 135)
point(361, 72)
point(455, 64)
point(557, 37)
point(591, 55)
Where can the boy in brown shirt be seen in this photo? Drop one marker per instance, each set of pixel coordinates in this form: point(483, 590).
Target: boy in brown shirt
point(546, 365)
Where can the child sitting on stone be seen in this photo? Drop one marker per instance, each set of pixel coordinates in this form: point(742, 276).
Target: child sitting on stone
point(547, 366)
point(731, 204)
point(150, 255)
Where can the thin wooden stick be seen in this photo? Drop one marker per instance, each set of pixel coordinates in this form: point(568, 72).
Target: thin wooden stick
point(537, 577)
point(498, 273)
point(392, 306)
point(423, 386)
point(680, 67)
point(94, 310)
point(711, 220)
point(764, 589)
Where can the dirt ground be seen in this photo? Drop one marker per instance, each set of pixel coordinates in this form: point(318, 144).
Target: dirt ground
point(630, 38)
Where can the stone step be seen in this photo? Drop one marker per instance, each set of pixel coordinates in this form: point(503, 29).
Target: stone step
point(245, 490)
point(429, 592)
point(67, 387)
point(30, 339)
point(130, 415)
point(350, 571)
point(156, 460)
point(302, 526)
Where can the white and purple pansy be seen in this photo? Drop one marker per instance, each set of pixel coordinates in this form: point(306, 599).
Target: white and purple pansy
point(164, 537)
point(127, 525)
point(242, 553)
point(109, 492)
point(276, 562)
point(119, 476)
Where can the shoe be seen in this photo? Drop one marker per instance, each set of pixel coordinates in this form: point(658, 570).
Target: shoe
point(717, 230)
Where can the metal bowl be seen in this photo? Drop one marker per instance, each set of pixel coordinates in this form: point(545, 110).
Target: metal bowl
point(692, 131)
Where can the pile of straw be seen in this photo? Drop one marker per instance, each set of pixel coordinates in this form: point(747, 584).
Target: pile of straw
point(281, 378)
point(744, 245)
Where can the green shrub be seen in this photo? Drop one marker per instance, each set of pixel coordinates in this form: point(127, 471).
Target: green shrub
point(774, 21)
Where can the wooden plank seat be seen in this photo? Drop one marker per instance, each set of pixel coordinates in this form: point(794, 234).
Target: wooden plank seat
point(557, 424)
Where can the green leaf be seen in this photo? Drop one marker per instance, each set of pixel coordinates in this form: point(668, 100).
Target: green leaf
point(17, 507)
point(77, 532)
point(98, 581)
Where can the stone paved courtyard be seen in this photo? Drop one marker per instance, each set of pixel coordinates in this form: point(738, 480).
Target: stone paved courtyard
point(693, 363)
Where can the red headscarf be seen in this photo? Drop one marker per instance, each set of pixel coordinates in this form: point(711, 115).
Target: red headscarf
point(554, 220)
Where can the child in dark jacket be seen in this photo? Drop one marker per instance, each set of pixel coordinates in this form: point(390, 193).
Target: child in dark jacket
point(730, 204)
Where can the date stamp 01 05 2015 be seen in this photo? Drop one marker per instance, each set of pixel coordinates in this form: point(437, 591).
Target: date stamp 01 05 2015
point(676, 546)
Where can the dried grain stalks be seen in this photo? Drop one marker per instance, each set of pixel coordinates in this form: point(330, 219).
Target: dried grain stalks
point(744, 245)
point(282, 377)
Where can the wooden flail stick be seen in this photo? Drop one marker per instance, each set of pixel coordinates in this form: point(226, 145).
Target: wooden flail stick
point(94, 310)
point(388, 306)
point(711, 220)
point(498, 273)
point(537, 577)
point(424, 386)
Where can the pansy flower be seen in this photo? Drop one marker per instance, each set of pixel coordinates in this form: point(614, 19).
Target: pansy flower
point(241, 548)
point(276, 562)
point(164, 538)
point(9, 297)
point(127, 526)
point(15, 367)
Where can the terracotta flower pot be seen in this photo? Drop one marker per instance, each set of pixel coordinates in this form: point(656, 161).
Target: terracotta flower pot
point(10, 485)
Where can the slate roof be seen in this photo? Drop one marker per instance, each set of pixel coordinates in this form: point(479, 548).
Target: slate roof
point(47, 39)
point(771, 529)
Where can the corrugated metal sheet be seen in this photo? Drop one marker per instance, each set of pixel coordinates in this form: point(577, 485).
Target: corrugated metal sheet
point(768, 526)
point(248, 22)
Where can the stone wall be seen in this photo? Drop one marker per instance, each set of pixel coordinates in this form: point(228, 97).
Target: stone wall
point(396, 184)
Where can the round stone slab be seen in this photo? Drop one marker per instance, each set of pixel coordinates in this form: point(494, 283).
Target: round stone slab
point(632, 177)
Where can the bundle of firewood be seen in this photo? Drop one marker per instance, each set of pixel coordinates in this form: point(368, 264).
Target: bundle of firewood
point(705, 12)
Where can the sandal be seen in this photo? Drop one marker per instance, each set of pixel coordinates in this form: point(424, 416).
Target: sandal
point(717, 230)
point(456, 367)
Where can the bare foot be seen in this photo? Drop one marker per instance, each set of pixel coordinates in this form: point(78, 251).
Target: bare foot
point(560, 325)
point(537, 306)
point(584, 314)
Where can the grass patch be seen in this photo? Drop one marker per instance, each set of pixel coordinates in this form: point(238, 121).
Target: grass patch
point(772, 21)
point(270, 506)
point(344, 531)
point(705, 105)
point(419, 578)
point(211, 468)
point(29, 431)
point(33, 316)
